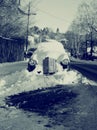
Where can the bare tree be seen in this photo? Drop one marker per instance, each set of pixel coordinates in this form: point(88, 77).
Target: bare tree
point(13, 21)
point(85, 24)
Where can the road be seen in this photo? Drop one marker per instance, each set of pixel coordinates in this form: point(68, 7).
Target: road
point(87, 68)
point(6, 68)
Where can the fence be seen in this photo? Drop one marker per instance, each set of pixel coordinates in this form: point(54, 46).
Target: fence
point(11, 50)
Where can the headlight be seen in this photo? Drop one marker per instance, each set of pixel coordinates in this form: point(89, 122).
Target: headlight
point(65, 61)
point(32, 62)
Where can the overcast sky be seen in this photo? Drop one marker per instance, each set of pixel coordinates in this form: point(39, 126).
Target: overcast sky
point(56, 13)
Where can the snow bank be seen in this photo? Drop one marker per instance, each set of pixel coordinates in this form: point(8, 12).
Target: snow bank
point(25, 81)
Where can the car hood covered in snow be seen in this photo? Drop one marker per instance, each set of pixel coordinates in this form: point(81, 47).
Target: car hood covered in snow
point(52, 49)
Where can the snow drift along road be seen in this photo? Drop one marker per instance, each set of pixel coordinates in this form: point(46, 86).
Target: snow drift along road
point(25, 81)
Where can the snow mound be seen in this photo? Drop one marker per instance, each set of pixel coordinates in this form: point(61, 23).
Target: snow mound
point(22, 81)
point(25, 81)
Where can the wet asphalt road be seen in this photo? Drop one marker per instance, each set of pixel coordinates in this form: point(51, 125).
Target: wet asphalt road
point(87, 68)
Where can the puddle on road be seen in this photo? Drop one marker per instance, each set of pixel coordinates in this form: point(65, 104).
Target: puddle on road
point(55, 103)
point(42, 101)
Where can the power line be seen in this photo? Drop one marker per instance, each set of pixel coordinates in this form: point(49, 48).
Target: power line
point(52, 15)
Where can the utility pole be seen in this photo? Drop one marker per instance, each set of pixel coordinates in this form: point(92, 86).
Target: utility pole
point(28, 17)
point(28, 14)
point(19, 2)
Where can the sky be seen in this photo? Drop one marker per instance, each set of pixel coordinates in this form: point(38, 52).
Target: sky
point(56, 13)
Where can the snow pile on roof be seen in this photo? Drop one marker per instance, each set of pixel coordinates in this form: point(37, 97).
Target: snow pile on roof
point(52, 49)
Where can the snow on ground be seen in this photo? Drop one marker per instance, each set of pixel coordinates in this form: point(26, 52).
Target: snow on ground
point(24, 81)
